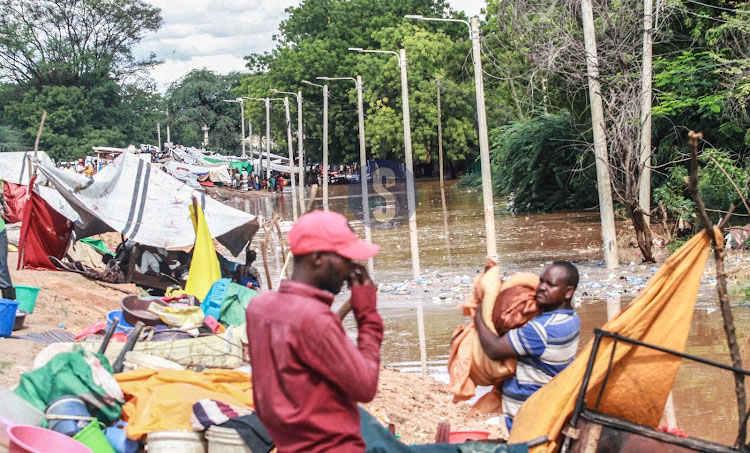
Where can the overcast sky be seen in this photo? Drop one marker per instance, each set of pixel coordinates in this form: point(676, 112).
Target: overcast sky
point(217, 34)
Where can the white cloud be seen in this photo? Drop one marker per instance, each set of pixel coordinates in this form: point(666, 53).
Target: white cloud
point(217, 34)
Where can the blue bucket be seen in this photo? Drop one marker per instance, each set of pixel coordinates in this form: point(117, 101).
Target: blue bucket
point(68, 415)
point(116, 437)
point(122, 326)
point(7, 316)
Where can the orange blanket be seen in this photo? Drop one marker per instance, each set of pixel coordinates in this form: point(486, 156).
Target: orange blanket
point(468, 365)
point(641, 378)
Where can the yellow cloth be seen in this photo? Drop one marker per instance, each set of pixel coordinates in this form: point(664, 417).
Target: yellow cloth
point(162, 400)
point(641, 378)
point(185, 317)
point(204, 268)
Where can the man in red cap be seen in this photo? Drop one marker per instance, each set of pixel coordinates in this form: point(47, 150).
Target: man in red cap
point(307, 375)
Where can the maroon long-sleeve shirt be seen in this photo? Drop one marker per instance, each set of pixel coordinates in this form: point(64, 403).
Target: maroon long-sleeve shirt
point(307, 375)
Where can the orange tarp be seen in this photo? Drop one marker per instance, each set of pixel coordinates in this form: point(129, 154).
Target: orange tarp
point(163, 400)
point(641, 378)
point(468, 365)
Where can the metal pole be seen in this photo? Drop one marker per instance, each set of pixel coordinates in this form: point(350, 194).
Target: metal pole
point(484, 147)
point(644, 189)
point(242, 124)
point(440, 133)
point(158, 134)
point(411, 202)
point(291, 158)
point(325, 147)
point(363, 169)
point(250, 134)
point(300, 152)
point(268, 138)
point(604, 185)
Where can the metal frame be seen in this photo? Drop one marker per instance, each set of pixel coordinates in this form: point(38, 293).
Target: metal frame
point(580, 405)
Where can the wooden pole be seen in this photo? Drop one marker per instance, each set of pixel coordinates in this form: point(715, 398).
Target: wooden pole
point(264, 251)
point(603, 183)
point(721, 285)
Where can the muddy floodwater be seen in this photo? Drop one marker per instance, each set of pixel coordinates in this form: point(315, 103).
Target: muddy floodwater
point(452, 250)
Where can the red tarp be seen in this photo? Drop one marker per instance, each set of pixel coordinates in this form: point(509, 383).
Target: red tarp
point(15, 200)
point(44, 233)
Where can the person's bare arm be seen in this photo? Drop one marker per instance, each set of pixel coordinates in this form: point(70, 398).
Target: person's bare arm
point(496, 348)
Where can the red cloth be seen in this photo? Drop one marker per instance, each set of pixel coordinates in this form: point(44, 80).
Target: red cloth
point(44, 233)
point(15, 200)
point(307, 375)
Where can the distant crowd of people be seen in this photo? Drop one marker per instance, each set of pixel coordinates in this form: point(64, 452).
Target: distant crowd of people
point(245, 181)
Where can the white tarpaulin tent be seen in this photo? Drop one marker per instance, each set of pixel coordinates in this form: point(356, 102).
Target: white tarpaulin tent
point(215, 174)
point(14, 166)
point(144, 204)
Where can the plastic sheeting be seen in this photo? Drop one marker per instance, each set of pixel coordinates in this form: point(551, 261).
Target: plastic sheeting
point(640, 378)
point(14, 166)
point(44, 233)
point(15, 200)
point(144, 204)
point(215, 174)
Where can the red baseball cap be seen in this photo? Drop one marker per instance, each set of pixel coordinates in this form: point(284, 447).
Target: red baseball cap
point(321, 231)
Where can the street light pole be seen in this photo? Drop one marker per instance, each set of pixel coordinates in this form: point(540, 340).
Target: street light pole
point(291, 157)
point(268, 138)
point(325, 142)
point(299, 146)
point(411, 201)
point(362, 162)
point(241, 102)
point(484, 148)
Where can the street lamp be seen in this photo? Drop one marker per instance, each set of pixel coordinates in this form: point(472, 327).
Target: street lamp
point(411, 202)
point(362, 159)
point(300, 141)
point(484, 148)
point(325, 140)
point(268, 136)
point(242, 120)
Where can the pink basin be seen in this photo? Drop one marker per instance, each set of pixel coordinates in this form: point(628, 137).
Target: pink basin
point(33, 439)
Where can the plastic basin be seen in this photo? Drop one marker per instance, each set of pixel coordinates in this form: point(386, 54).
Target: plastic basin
point(33, 439)
point(20, 318)
point(26, 297)
point(459, 437)
point(93, 437)
point(7, 316)
point(122, 326)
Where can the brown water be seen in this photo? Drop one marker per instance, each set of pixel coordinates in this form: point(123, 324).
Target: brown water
point(452, 249)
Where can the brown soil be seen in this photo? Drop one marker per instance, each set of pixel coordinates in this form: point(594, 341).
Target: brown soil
point(66, 301)
point(225, 194)
point(416, 404)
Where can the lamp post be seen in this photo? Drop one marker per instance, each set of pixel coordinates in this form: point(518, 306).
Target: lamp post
point(484, 148)
point(325, 141)
point(362, 160)
point(411, 202)
point(268, 135)
point(241, 102)
point(300, 152)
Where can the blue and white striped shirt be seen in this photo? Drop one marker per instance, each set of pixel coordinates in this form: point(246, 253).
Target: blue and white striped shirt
point(545, 346)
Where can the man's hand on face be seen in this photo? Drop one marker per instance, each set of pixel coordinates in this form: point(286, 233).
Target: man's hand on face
point(358, 276)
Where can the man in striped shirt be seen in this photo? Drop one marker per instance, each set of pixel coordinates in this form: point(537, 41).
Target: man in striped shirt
point(545, 345)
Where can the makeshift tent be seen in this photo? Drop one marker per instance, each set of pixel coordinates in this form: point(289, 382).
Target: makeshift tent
point(15, 200)
point(640, 378)
point(238, 164)
point(144, 204)
point(14, 166)
point(215, 174)
point(44, 233)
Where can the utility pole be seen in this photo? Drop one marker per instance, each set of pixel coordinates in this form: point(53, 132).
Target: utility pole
point(325, 147)
point(325, 139)
point(440, 133)
point(268, 138)
point(644, 189)
point(604, 185)
point(300, 152)
point(484, 146)
point(363, 169)
point(250, 134)
point(411, 201)
point(169, 140)
point(158, 135)
point(242, 124)
point(291, 157)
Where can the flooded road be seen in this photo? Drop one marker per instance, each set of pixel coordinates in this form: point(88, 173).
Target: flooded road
point(452, 250)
